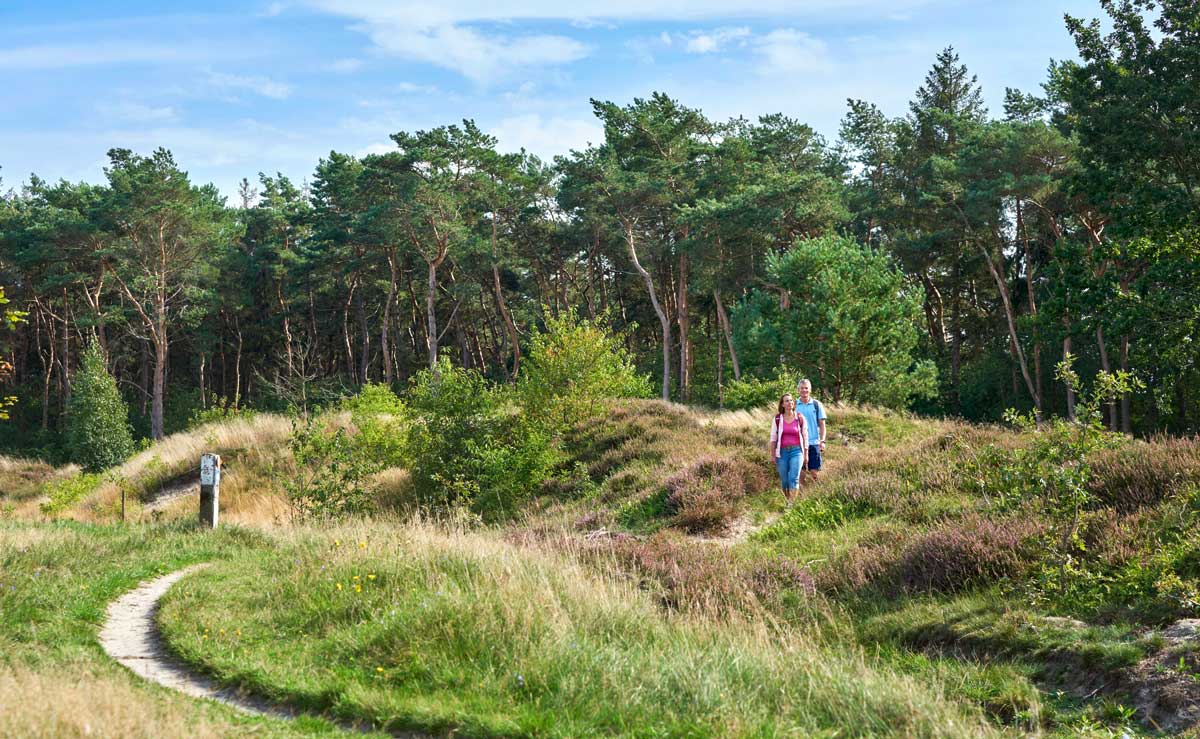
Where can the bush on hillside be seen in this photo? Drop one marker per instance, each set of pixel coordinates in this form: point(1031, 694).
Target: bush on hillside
point(331, 476)
point(468, 445)
point(380, 417)
point(98, 434)
point(572, 367)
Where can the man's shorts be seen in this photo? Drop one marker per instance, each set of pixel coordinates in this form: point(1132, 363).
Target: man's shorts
point(814, 457)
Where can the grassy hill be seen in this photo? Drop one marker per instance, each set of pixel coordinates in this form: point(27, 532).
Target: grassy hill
point(658, 585)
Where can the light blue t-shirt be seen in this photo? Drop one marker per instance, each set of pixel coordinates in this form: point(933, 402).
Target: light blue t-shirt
point(812, 411)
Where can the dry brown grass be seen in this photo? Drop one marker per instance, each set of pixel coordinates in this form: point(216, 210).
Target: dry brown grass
point(21, 483)
point(88, 703)
point(248, 445)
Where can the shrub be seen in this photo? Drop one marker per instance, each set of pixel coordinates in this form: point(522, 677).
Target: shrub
point(574, 365)
point(1054, 469)
point(331, 477)
point(68, 491)
point(703, 495)
point(98, 434)
point(971, 551)
point(1140, 474)
point(468, 446)
point(751, 393)
point(380, 417)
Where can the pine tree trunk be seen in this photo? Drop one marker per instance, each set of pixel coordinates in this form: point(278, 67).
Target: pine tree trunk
point(681, 311)
point(1126, 401)
point(431, 335)
point(346, 342)
point(662, 316)
point(287, 330)
point(160, 374)
point(1010, 316)
point(364, 357)
point(237, 365)
point(1104, 365)
point(510, 327)
point(723, 319)
point(385, 344)
point(1070, 390)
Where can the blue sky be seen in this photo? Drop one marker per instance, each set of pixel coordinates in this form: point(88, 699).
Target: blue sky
point(235, 88)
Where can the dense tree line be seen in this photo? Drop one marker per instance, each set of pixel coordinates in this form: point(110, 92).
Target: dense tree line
point(988, 248)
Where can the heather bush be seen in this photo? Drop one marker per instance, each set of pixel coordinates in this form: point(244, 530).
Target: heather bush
point(1143, 474)
point(968, 552)
point(867, 563)
point(704, 495)
point(691, 576)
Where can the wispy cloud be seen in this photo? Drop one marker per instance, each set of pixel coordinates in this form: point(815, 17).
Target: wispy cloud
point(475, 55)
point(258, 85)
point(344, 66)
point(61, 56)
point(789, 50)
point(708, 42)
point(133, 112)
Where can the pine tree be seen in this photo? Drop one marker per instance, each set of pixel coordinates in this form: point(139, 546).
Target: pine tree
point(97, 423)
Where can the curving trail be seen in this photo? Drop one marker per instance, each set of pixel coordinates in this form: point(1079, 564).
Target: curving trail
point(130, 636)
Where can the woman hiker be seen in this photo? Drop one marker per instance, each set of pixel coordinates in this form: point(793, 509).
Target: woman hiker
point(788, 446)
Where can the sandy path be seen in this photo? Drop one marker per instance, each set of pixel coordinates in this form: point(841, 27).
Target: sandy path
point(130, 636)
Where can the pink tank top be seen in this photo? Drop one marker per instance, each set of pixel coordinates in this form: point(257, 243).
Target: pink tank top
point(790, 433)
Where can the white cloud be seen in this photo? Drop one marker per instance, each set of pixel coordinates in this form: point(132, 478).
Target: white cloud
point(788, 50)
point(477, 56)
point(546, 137)
point(411, 88)
point(344, 66)
point(707, 42)
point(61, 56)
point(130, 111)
point(259, 85)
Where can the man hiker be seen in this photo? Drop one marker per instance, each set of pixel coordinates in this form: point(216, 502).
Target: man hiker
point(814, 418)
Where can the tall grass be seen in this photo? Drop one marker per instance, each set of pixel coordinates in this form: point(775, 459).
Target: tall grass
point(413, 626)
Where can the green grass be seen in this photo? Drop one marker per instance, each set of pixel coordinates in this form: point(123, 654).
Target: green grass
point(56, 581)
point(437, 630)
point(658, 634)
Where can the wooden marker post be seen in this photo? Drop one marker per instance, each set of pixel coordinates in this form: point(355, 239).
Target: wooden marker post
point(210, 489)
